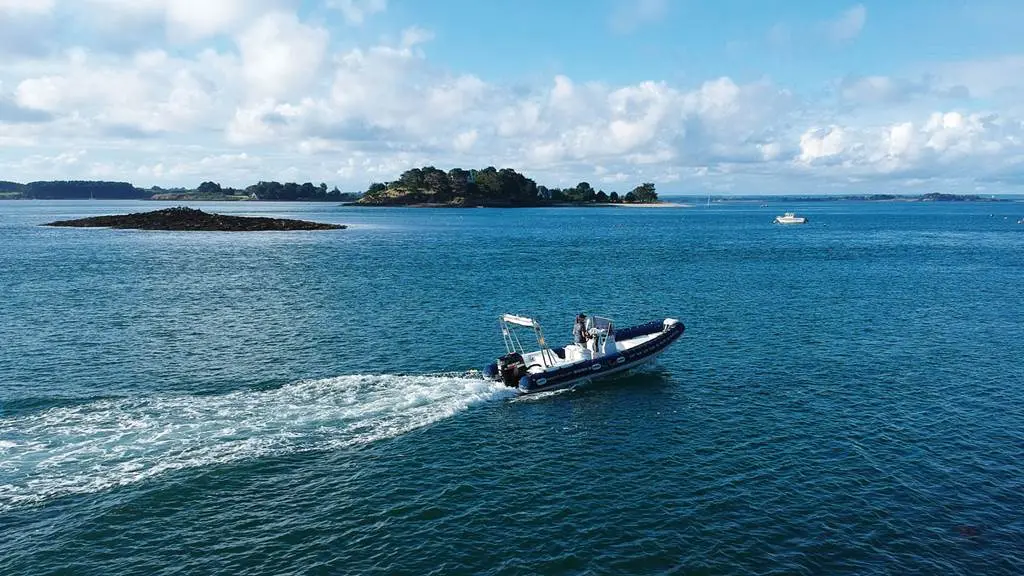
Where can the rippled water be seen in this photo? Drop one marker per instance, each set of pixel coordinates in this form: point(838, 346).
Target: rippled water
point(846, 399)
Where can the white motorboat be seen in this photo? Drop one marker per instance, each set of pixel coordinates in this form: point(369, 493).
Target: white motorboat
point(607, 351)
point(790, 218)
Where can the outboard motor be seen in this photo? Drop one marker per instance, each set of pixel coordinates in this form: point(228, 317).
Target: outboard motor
point(511, 368)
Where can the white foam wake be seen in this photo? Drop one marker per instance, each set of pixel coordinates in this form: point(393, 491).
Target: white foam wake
point(108, 443)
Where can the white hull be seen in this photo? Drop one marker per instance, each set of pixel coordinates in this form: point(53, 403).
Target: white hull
point(790, 218)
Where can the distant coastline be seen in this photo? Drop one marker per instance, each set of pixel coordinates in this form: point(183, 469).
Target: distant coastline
point(417, 187)
point(928, 197)
point(432, 188)
point(207, 191)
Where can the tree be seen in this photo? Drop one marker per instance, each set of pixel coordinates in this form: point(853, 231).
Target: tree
point(614, 197)
point(458, 180)
point(437, 182)
point(488, 183)
point(585, 192)
point(645, 193)
point(601, 197)
point(411, 180)
point(289, 191)
point(209, 188)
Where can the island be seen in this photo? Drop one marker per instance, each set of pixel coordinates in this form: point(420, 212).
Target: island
point(427, 186)
point(181, 218)
point(206, 191)
point(490, 187)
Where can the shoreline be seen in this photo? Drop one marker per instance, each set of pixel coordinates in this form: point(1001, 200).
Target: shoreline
point(559, 205)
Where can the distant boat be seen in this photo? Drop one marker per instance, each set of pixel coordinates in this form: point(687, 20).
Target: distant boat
point(790, 218)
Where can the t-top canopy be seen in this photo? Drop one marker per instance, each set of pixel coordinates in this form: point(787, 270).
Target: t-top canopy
point(519, 320)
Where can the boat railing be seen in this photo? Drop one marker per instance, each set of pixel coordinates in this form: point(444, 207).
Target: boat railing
point(514, 344)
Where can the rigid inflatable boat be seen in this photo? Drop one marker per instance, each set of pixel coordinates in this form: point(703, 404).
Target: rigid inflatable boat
point(605, 351)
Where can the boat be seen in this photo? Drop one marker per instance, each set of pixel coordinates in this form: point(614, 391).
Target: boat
point(790, 218)
point(608, 351)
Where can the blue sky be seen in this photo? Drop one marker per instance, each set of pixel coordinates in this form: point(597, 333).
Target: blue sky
point(699, 96)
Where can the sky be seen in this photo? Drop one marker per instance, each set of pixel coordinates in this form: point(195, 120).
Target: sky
point(697, 96)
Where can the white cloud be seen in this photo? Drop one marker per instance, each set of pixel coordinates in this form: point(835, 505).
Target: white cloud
point(900, 139)
point(153, 92)
point(1001, 77)
point(849, 24)
point(944, 145)
point(465, 140)
point(181, 21)
point(357, 11)
point(27, 6)
point(770, 150)
point(415, 35)
point(257, 93)
point(280, 55)
point(821, 144)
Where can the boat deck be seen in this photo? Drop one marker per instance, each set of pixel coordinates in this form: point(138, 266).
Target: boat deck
point(573, 353)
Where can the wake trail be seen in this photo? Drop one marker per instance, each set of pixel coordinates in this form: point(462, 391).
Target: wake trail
point(108, 443)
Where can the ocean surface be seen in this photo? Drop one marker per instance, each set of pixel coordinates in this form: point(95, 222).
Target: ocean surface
point(848, 397)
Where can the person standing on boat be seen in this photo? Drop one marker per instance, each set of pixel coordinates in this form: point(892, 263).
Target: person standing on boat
point(579, 329)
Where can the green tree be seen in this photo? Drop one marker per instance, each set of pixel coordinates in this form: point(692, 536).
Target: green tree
point(411, 180)
point(488, 183)
point(209, 189)
point(585, 192)
point(645, 193)
point(437, 182)
point(458, 180)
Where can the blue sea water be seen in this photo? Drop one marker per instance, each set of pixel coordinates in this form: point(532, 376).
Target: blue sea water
point(848, 397)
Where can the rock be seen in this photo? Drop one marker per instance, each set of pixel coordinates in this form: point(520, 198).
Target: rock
point(182, 218)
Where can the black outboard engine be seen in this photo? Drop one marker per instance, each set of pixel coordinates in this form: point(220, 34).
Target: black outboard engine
point(511, 368)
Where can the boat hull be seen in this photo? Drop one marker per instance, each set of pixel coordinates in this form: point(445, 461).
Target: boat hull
point(602, 367)
point(790, 219)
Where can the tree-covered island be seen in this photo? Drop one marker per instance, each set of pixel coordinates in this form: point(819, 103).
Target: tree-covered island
point(427, 186)
point(491, 187)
